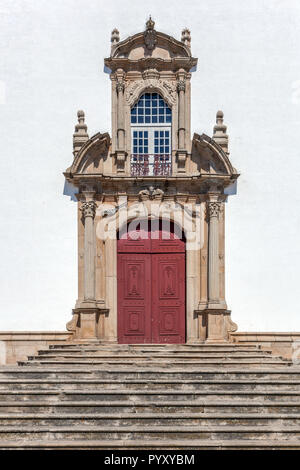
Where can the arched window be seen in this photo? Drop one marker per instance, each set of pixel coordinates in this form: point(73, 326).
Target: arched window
point(151, 124)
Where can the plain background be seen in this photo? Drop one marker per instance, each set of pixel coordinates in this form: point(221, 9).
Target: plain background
point(52, 65)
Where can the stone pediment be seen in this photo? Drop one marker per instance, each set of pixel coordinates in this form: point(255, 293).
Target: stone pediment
point(161, 50)
point(89, 160)
point(210, 157)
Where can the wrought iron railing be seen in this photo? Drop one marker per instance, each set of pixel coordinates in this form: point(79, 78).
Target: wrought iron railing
point(151, 165)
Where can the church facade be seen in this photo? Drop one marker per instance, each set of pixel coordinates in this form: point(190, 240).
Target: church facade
point(151, 205)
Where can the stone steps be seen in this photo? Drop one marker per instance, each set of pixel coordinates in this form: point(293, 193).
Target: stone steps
point(142, 356)
point(159, 444)
point(154, 406)
point(136, 396)
point(168, 419)
point(152, 374)
point(260, 385)
point(152, 347)
point(137, 433)
point(104, 396)
point(150, 362)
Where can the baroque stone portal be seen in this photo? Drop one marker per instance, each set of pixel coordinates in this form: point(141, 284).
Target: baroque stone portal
point(155, 188)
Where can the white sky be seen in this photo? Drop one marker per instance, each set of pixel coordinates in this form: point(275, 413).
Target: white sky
point(52, 65)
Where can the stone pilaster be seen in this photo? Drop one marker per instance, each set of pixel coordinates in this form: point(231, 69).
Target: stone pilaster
point(214, 321)
point(120, 153)
point(213, 211)
point(181, 152)
point(86, 323)
point(88, 209)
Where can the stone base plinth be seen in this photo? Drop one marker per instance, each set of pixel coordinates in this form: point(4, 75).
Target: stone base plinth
point(87, 323)
point(215, 325)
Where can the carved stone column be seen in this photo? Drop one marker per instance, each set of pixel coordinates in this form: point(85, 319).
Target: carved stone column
point(215, 319)
point(85, 323)
point(88, 209)
point(120, 154)
point(181, 152)
point(213, 211)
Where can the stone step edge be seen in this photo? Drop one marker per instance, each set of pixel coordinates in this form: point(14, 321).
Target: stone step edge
point(116, 416)
point(41, 369)
point(132, 392)
point(161, 365)
point(150, 381)
point(113, 404)
point(154, 444)
point(156, 356)
point(159, 429)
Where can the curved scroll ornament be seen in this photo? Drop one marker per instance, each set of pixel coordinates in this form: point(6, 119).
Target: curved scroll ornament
point(151, 193)
point(88, 209)
point(167, 89)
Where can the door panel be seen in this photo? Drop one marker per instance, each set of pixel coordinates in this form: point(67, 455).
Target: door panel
point(168, 298)
point(151, 285)
point(134, 312)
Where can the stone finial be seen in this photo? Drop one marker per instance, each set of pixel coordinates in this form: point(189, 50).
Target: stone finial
point(186, 37)
point(80, 135)
point(219, 135)
point(115, 36)
point(150, 24)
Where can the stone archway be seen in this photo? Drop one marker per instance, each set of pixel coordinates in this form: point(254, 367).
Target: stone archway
point(151, 283)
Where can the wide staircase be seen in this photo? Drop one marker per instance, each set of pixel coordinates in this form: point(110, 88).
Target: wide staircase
point(101, 396)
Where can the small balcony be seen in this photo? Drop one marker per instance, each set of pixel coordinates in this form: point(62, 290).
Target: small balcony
point(151, 165)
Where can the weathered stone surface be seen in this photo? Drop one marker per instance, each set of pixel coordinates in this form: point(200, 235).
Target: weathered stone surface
point(150, 396)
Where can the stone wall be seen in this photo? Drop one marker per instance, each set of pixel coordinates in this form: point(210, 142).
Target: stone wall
point(286, 344)
point(18, 345)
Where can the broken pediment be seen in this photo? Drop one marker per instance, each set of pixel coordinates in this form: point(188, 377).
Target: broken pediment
point(89, 159)
point(210, 157)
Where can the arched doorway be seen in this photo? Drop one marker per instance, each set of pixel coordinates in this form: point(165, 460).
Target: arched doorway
point(151, 283)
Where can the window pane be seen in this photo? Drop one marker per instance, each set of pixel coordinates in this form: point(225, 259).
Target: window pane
point(150, 105)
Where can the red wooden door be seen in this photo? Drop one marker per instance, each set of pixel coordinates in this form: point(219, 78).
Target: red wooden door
point(168, 298)
point(134, 296)
point(151, 286)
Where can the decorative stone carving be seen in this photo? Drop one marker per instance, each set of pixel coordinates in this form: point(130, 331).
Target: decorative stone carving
point(72, 324)
point(167, 89)
point(213, 209)
point(150, 38)
point(120, 85)
point(220, 136)
point(80, 136)
point(186, 37)
point(115, 36)
point(150, 73)
point(151, 193)
point(181, 85)
point(88, 209)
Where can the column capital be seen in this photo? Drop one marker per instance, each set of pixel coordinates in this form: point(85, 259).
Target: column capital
point(213, 208)
point(120, 85)
point(181, 85)
point(88, 209)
